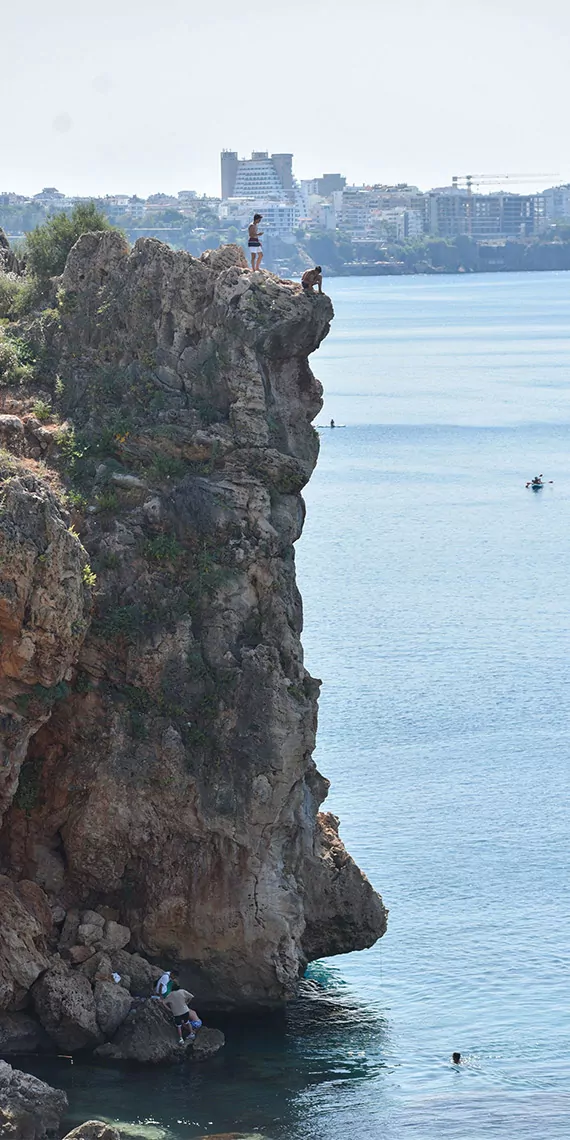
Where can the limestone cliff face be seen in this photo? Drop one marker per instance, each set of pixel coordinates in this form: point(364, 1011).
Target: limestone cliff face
point(159, 723)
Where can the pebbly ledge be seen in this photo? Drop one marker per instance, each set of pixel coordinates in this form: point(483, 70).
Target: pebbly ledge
point(158, 723)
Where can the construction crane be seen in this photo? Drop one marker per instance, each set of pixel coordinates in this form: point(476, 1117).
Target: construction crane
point(467, 181)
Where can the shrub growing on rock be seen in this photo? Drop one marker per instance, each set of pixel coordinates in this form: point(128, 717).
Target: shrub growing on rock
point(47, 246)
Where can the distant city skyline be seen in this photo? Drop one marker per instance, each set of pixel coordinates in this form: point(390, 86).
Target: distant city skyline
point(139, 99)
point(481, 183)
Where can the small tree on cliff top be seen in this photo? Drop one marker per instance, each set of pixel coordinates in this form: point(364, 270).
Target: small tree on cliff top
point(47, 246)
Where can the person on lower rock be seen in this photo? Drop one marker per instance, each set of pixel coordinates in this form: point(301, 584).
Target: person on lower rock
point(186, 1019)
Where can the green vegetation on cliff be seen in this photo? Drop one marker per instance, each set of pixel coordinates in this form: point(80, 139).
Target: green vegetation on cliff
point(48, 245)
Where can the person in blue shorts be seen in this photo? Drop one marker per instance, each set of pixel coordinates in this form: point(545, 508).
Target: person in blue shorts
point(185, 1018)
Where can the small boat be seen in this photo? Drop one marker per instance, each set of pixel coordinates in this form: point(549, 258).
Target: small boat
point(537, 483)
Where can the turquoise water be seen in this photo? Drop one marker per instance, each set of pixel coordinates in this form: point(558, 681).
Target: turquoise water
point(437, 611)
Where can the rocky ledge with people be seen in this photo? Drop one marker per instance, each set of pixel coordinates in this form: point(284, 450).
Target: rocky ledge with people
point(90, 993)
point(159, 802)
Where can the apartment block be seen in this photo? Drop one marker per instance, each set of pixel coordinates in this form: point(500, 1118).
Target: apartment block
point(556, 203)
point(451, 212)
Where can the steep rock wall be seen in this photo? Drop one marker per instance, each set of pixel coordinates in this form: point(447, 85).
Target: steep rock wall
point(173, 779)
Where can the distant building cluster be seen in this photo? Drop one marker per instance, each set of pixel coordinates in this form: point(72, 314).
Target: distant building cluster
point(131, 207)
point(265, 183)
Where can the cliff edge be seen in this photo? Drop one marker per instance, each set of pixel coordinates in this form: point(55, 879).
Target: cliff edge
point(157, 722)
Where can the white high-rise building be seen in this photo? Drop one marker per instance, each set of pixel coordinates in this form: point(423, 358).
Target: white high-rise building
point(261, 176)
point(261, 184)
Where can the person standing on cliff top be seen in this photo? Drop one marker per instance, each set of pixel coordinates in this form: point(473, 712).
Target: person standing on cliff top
point(254, 244)
point(312, 277)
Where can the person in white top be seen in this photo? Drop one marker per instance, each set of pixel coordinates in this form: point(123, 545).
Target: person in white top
point(161, 988)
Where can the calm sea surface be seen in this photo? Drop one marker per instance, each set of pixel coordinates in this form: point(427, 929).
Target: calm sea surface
point(437, 611)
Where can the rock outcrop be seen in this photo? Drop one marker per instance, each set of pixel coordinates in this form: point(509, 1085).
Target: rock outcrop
point(25, 932)
point(149, 1036)
point(93, 1130)
point(66, 1007)
point(158, 722)
point(29, 1109)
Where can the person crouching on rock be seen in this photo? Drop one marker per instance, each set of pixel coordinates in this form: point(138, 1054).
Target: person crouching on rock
point(186, 1019)
point(253, 242)
point(312, 277)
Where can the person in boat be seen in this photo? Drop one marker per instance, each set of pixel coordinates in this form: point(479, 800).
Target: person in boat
point(185, 1018)
point(536, 481)
point(312, 277)
point(253, 242)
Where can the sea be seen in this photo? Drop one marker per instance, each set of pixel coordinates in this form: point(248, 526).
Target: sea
point(437, 614)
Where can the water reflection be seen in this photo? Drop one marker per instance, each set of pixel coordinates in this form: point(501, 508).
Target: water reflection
point(265, 1080)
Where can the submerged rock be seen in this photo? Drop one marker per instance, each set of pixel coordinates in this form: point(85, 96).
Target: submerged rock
point(93, 1130)
point(29, 1109)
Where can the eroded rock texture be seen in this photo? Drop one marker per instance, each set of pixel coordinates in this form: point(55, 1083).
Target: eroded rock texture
point(29, 1109)
point(44, 607)
point(172, 779)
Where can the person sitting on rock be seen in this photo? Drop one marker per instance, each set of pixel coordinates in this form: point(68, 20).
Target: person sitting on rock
point(312, 277)
point(186, 1019)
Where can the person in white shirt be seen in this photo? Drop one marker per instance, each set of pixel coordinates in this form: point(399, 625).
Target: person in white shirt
point(161, 988)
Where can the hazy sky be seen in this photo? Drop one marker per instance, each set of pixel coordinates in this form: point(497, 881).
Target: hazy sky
point(131, 97)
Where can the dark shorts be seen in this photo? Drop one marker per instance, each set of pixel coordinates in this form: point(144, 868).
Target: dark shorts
point(182, 1019)
point(305, 286)
point(255, 246)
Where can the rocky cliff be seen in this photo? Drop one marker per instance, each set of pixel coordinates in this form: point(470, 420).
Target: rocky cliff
point(157, 721)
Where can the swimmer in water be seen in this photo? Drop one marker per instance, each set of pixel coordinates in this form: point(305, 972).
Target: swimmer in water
point(456, 1058)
